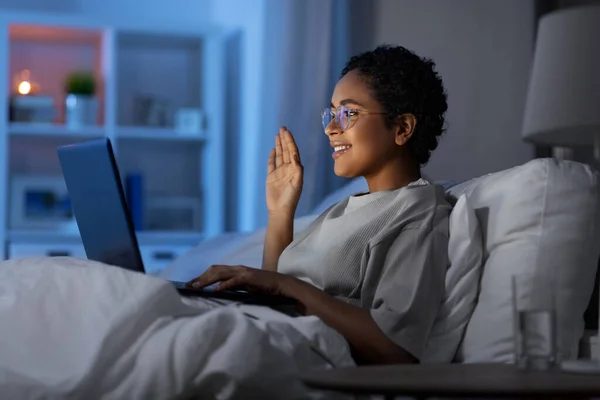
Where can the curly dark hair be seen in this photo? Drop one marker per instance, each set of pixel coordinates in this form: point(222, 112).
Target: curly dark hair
point(405, 83)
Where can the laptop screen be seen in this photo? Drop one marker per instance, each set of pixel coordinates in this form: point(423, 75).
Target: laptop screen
point(98, 200)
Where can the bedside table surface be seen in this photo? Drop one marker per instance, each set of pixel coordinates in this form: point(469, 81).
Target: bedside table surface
point(457, 380)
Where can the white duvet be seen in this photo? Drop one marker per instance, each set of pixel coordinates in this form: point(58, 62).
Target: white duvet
point(77, 329)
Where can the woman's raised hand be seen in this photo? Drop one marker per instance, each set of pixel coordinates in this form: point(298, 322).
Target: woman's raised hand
point(285, 176)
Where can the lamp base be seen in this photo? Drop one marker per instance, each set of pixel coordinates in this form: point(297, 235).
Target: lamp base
point(563, 153)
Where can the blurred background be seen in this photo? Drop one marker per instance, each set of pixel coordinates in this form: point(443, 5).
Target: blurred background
point(192, 93)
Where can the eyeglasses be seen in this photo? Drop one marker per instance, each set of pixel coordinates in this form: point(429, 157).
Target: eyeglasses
point(344, 116)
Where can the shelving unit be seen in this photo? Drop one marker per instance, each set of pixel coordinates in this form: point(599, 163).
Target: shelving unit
point(181, 68)
point(154, 134)
point(54, 130)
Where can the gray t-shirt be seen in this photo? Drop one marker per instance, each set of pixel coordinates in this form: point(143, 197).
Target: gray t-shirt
point(385, 251)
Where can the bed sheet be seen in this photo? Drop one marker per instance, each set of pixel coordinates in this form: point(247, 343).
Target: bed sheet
point(75, 328)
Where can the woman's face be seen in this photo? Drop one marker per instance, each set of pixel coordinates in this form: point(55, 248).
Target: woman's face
point(368, 144)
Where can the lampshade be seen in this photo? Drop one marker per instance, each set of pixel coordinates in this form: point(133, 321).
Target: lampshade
point(563, 99)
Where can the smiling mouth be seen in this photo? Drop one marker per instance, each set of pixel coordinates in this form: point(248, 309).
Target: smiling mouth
point(340, 150)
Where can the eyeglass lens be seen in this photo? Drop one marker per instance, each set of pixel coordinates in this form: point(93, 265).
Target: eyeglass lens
point(341, 116)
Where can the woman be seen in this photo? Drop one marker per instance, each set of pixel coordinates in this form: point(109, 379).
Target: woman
point(372, 266)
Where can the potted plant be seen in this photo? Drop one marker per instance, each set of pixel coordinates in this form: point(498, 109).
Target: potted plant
point(81, 105)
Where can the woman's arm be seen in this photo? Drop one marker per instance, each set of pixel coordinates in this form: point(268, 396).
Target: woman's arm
point(405, 301)
point(369, 345)
point(280, 232)
point(283, 187)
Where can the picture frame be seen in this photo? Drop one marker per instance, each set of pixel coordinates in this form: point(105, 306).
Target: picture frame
point(189, 121)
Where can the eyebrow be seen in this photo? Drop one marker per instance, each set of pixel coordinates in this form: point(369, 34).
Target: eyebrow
point(347, 101)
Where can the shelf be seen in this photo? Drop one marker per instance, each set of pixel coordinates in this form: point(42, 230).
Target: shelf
point(146, 74)
point(144, 237)
point(54, 34)
point(170, 238)
point(54, 130)
point(157, 74)
point(43, 235)
point(89, 132)
point(150, 133)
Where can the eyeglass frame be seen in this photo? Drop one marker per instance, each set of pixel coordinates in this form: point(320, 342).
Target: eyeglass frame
point(336, 112)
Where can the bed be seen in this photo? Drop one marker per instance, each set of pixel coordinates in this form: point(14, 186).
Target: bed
point(73, 328)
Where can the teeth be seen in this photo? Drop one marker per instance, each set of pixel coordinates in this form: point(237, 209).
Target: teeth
point(339, 148)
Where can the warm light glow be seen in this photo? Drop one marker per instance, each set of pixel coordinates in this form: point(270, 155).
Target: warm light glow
point(24, 87)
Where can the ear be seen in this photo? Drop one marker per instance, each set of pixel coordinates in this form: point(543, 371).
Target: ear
point(405, 128)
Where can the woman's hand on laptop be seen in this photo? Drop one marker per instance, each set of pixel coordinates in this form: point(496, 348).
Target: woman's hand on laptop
point(240, 277)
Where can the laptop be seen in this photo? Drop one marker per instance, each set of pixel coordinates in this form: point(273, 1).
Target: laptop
point(105, 223)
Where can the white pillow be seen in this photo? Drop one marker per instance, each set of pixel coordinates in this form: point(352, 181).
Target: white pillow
point(540, 218)
point(228, 249)
point(465, 252)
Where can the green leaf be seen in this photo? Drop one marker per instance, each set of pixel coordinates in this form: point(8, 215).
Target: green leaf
point(81, 82)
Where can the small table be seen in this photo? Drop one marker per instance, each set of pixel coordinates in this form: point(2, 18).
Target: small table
point(454, 380)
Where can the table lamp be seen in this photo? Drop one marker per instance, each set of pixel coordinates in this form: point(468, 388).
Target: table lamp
point(563, 99)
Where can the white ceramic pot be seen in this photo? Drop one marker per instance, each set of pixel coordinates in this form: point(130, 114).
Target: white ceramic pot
point(81, 110)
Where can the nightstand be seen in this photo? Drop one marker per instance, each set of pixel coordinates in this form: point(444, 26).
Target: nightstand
point(454, 380)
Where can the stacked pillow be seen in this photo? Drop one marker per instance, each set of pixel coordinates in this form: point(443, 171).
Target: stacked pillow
point(465, 253)
point(541, 218)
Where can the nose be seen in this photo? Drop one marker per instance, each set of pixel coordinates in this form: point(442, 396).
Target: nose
point(332, 129)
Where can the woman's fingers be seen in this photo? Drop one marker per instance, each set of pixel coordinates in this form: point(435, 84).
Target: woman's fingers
point(278, 151)
point(271, 164)
point(292, 148)
point(286, 149)
point(201, 281)
point(214, 274)
point(233, 283)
